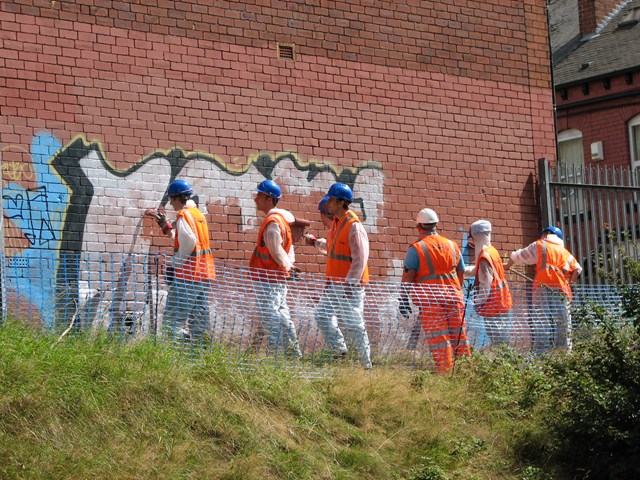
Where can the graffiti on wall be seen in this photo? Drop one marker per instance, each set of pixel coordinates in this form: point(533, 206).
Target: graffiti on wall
point(34, 201)
point(38, 208)
point(77, 206)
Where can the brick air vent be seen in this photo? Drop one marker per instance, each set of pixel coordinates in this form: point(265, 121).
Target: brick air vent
point(286, 51)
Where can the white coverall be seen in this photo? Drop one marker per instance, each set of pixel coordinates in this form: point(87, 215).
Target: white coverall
point(341, 308)
point(271, 297)
point(497, 327)
point(187, 310)
point(551, 315)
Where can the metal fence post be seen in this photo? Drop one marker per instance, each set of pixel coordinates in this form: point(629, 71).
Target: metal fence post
point(2, 257)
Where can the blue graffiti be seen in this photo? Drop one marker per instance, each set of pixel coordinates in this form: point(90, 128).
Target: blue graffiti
point(480, 338)
point(39, 212)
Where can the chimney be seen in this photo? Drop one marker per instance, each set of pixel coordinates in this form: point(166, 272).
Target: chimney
point(592, 12)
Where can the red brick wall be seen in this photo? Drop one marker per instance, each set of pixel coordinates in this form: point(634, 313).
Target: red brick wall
point(450, 102)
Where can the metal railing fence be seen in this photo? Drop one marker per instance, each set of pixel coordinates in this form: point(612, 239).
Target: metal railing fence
point(597, 208)
point(126, 296)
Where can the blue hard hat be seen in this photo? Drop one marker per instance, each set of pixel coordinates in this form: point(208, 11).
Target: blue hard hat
point(555, 230)
point(340, 191)
point(322, 206)
point(271, 188)
point(179, 187)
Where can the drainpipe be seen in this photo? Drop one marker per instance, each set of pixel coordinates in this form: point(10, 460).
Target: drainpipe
point(544, 171)
point(2, 259)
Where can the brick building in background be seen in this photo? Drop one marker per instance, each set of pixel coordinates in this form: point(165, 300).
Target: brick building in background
point(597, 81)
point(593, 197)
point(438, 104)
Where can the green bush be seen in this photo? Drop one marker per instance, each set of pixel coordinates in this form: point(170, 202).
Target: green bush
point(631, 292)
point(593, 407)
point(430, 471)
point(584, 405)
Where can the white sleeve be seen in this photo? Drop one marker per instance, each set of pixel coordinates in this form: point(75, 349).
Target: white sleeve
point(572, 264)
point(359, 245)
point(273, 241)
point(187, 241)
point(526, 256)
point(485, 279)
point(321, 245)
point(469, 271)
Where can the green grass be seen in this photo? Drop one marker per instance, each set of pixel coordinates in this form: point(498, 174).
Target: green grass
point(88, 408)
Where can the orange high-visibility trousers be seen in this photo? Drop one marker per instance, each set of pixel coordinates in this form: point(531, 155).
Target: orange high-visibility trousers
point(445, 330)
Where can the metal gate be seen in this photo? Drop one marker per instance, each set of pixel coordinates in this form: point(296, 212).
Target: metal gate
point(597, 209)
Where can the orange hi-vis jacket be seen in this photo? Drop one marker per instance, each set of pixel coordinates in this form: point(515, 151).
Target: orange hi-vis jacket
point(338, 250)
point(261, 259)
point(198, 267)
point(499, 300)
point(555, 265)
point(439, 258)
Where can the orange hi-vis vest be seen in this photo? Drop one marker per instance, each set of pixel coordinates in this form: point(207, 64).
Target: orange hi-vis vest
point(338, 250)
point(438, 260)
point(261, 259)
point(499, 300)
point(554, 267)
point(199, 266)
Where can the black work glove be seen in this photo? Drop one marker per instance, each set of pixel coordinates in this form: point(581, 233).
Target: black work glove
point(169, 274)
point(165, 224)
point(350, 290)
point(295, 273)
point(404, 307)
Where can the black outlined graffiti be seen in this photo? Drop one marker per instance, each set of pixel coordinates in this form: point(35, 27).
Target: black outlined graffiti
point(88, 175)
point(31, 207)
point(67, 164)
point(266, 164)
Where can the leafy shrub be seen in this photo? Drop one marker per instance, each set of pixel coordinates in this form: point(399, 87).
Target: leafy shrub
point(535, 473)
point(584, 404)
point(594, 402)
point(631, 292)
point(430, 471)
point(510, 380)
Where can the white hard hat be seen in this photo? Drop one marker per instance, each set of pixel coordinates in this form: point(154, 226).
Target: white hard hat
point(427, 216)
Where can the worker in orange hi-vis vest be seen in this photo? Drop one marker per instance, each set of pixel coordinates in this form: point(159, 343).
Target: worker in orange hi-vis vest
point(551, 293)
point(492, 296)
point(187, 312)
point(340, 311)
point(271, 264)
point(433, 275)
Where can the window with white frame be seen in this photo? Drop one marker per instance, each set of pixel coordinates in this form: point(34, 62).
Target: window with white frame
point(571, 169)
point(634, 142)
